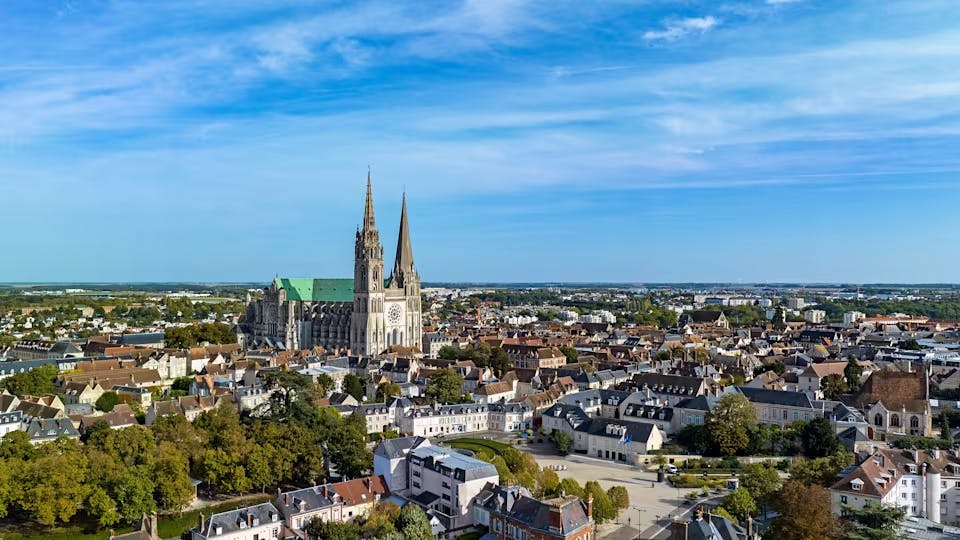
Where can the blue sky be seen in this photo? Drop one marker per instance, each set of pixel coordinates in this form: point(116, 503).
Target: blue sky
point(761, 140)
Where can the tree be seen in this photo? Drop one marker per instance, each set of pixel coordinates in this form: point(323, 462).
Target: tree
point(445, 386)
point(852, 374)
point(728, 423)
point(910, 345)
point(35, 382)
point(571, 354)
point(569, 486)
point(740, 504)
point(51, 492)
point(174, 487)
point(499, 361)
point(804, 513)
point(107, 401)
point(288, 387)
point(779, 319)
point(348, 449)
point(388, 390)
point(761, 481)
point(875, 522)
point(353, 385)
point(603, 508)
point(561, 440)
point(413, 523)
point(821, 471)
point(833, 386)
point(619, 497)
point(325, 384)
point(331, 530)
point(818, 439)
point(548, 482)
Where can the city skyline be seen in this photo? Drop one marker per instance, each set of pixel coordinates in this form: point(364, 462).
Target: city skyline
point(754, 141)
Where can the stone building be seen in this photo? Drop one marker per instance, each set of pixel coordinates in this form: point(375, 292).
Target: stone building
point(367, 314)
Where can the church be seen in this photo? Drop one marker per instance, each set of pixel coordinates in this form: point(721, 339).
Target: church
point(368, 314)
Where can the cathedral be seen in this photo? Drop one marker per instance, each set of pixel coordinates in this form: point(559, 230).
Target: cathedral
point(367, 314)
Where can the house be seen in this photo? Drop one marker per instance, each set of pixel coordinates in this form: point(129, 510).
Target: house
point(10, 421)
point(811, 379)
point(120, 417)
point(707, 526)
point(301, 506)
point(692, 411)
point(777, 407)
point(617, 440)
point(357, 497)
point(703, 319)
point(49, 429)
point(561, 518)
point(86, 393)
point(261, 521)
point(148, 530)
point(495, 498)
point(534, 356)
point(923, 483)
point(668, 389)
point(496, 392)
point(445, 419)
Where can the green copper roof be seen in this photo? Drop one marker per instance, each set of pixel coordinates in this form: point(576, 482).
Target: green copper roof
point(318, 290)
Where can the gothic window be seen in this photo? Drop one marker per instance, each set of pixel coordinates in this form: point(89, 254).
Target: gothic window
point(914, 422)
point(895, 420)
point(878, 419)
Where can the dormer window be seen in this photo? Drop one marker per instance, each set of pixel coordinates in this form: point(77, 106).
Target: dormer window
point(856, 484)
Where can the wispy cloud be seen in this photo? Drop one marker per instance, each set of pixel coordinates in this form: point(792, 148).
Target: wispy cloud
point(677, 29)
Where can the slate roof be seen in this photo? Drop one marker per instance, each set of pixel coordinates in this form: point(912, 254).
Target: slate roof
point(714, 528)
point(51, 429)
point(230, 521)
point(535, 514)
point(400, 447)
point(146, 338)
point(464, 468)
point(304, 500)
point(776, 397)
point(638, 431)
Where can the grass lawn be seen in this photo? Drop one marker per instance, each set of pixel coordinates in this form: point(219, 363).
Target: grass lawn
point(483, 446)
point(169, 526)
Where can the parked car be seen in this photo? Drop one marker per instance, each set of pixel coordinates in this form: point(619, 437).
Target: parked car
point(672, 469)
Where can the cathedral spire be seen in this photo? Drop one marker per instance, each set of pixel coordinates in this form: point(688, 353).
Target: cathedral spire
point(369, 223)
point(404, 262)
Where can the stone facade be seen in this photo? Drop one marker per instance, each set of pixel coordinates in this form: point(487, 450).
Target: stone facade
point(365, 315)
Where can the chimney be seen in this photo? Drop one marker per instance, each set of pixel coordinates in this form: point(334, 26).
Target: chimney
point(154, 531)
point(249, 520)
point(678, 530)
point(555, 518)
point(202, 523)
point(324, 489)
point(589, 505)
point(286, 499)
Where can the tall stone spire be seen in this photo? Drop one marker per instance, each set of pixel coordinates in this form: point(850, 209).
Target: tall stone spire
point(403, 267)
point(369, 223)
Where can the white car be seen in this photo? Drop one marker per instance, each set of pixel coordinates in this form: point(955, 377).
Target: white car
point(672, 469)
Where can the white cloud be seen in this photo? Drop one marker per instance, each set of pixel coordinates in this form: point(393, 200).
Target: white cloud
point(677, 29)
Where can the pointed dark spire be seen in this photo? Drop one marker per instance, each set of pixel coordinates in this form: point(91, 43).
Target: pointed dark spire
point(369, 223)
point(404, 263)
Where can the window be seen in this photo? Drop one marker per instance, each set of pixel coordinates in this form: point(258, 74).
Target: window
point(894, 420)
point(785, 414)
point(843, 499)
point(915, 422)
point(878, 419)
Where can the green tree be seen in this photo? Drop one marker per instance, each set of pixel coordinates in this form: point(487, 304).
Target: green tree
point(51, 490)
point(348, 450)
point(102, 507)
point(804, 513)
point(833, 386)
point(388, 390)
point(499, 361)
point(852, 374)
point(174, 487)
point(107, 401)
point(561, 440)
point(445, 386)
point(36, 382)
point(571, 354)
point(603, 508)
point(728, 424)
point(331, 530)
point(874, 522)
point(761, 481)
point(910, 345)
point(740, 504)
point(413, 523)
point(325, 384)
point(353, 385)
point(569, 486)
point(819, 439)
point(821, 471)
point(548, 483)
point(619, 497)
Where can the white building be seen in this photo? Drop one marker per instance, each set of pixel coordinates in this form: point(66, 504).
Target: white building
point(851, 317)
point(261, 521)
point(923, 483)
point(815, 316)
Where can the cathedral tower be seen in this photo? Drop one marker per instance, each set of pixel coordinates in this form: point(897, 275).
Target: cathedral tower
point(404, 285)
point(367, 332)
